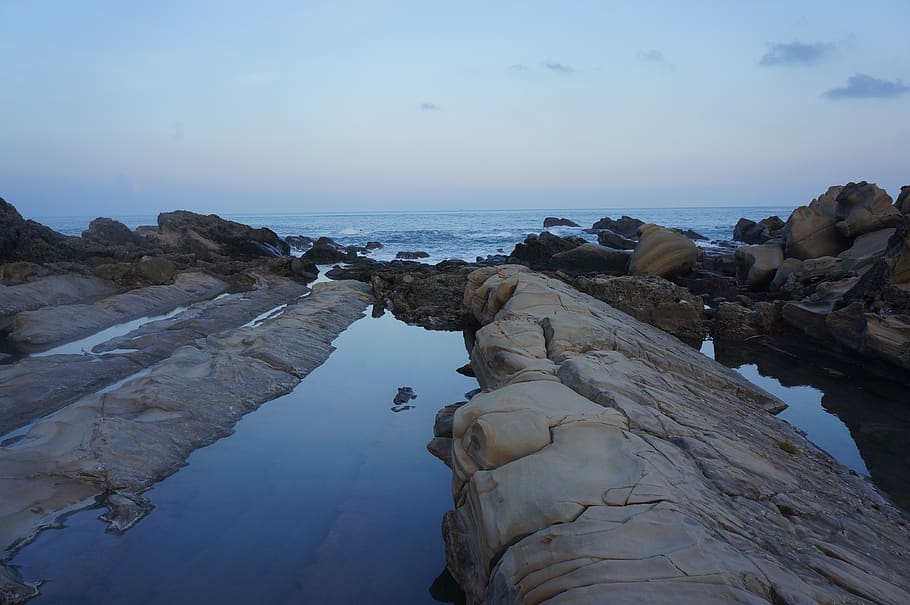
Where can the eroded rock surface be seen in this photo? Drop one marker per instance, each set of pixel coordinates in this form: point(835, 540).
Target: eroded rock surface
point(610, 463)
point(123, 440)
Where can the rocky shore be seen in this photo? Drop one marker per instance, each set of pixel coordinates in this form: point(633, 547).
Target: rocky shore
point(606, 461)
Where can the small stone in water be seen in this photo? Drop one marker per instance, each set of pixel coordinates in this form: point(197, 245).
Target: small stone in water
point(404, 395)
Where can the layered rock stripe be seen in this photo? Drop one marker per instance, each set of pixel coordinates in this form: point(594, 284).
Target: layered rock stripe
point(607, 462)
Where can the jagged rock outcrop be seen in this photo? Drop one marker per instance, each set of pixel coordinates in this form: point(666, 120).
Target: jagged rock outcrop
point(110, 232)
point(537, 250)
point(625, 225)
point(609, 463)
point(652, 300)
point(552, 221)
point(662, 252)
point(752, 232)
point(902, 203)
point(210, 235)
point(863, 207)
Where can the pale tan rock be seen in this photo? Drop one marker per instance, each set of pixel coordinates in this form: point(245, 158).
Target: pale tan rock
point(757, 265)
point(682, 489)
point(864, 207)
point(810, 231)
point(866, 249)
point(662, 252)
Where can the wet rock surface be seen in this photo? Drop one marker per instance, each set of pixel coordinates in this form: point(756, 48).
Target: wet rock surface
point(610, 463)
point(121, 440)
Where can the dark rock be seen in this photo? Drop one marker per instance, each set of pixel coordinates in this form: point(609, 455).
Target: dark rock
point(537, 250)
point(156, 269)
point(22, 240)
point(301, 242)
point(124, 511)
point(693, 235)
point(374, 245)
point(445, 418)
point(466, 370)
point(611, 239)
point(863, 207)
point(752, 232)
point(110, 232)
point(211, 235)
point(552, 221)
point(591, 258)
point(404, 395)
point(734, 321)
point(903, 200)
point(408, 255)
point(325, 251)
point(626, 225)
point(21, 271)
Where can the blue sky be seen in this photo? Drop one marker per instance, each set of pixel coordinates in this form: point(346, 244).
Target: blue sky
point(295, 106)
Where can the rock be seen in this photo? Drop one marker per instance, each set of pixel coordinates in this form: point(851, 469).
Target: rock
point(51, 290)
point(325, 251)
point(110, 232)
point(866, 249)
point(406, 255)
point(591, 258)
point(304, 268)
point(862, 207)
point(662, 252)
point(537, 250)
point(737, 322)
point(301, 242)
point(43, 328)
point(757, 265)
point(901, 203)
point(374, 245)
point(693, 235)
point(22, 240)
point(752, 232)
point(652, 300)
point(208, 235)
point(20, 272)
point(611, 239)
point(626, 225)
point(609, 463)
point(445, 417)
point(552, 221)
point(156, 270)
point(810, 231)
point(404, 395)
point(126, 439)
point(885, 287)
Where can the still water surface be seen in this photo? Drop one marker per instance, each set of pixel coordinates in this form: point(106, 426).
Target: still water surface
point(322, 496)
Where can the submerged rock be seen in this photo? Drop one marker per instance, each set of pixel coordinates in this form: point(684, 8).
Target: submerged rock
point(611, 463)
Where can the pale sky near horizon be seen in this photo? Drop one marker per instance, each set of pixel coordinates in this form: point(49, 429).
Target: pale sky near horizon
point(128, 108)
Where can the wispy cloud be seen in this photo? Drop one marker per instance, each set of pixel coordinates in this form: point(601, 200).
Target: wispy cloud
point(518, 67)
point(560, 68)
point(862, 86)
point(795, 53)
point(655, 57)
point(427, 106)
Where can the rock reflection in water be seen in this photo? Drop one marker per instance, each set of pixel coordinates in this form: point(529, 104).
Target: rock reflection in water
point(874, 410)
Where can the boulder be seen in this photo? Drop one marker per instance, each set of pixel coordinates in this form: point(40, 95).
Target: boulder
point(691, 234)
point(811, 230)
point(210, 235)
point(301, 242)
point(22, 240)
point(110, 232)
point(325, 251)
point(652, 300)
point(903, 200)
point(552, 221)
point(373, 245)
point(408, 255)
point(626, 225)
point(863, 207)
point(537, 250)
point(611, 239)
point(733, 321)
point(156, 270)
point(591, 258)
point(756, 265)
point(866, 249)
point(752, 232)
point(662, 252)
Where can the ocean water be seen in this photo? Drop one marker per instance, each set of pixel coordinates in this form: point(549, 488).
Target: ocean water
point(462, 234)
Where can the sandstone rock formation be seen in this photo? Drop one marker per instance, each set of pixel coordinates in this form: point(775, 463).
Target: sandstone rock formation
point(863, 207)
point(609, 463)
point(662, 252)
point(652, 300)
point(757, 265)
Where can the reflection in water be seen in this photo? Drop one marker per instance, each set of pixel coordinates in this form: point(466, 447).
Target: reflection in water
point(321, 496)
point(861, 420)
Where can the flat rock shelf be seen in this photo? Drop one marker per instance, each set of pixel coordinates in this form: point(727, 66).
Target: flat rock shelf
point(607, 462)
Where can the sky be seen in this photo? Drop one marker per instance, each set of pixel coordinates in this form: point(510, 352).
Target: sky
point(138, 107)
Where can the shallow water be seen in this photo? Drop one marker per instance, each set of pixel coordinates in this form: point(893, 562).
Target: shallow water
point(862, 421)
point(321, 496)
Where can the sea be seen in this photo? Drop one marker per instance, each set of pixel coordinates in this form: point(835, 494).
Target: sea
point(461, 234)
